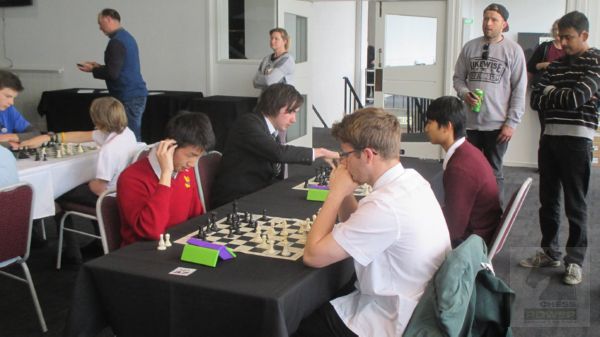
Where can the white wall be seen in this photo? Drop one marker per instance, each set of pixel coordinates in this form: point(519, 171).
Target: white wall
point(172, 39)
point(332, 53)
point(526, 17)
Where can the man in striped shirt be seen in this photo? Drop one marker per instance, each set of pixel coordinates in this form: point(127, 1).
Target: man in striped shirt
point(567, 95)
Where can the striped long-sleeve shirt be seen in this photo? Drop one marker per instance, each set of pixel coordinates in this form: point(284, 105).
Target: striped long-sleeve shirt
point(568, 94)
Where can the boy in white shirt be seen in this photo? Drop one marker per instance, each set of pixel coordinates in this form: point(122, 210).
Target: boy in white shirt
point(396, 235)
point(117, 146)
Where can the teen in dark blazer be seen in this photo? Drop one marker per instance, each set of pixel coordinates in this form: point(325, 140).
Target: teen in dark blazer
point(253, 158)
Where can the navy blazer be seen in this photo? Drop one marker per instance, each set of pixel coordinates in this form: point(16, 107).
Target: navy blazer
point(248, 158)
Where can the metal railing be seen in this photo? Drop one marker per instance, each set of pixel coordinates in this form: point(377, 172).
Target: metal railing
point(351, 100)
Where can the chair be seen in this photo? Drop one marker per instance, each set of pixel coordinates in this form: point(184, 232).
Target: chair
point(206, 170)
point(508, 218)
point(16, 203)
point(73, 208)
point(143, 152)
point(109, 221)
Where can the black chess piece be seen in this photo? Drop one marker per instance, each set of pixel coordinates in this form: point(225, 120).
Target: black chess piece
point(200, 232)
point(213, 221)
point(37, 156)
point(306, 183)
point(230, 231)
point(264, 215)
point(45, 157)
point(23, 154)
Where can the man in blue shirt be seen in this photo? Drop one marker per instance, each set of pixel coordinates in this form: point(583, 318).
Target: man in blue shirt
point(121, 69)
point(13, 127)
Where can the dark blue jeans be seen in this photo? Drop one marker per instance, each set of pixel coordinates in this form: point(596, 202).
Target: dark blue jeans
point(134, 108)
point(564, 162)
point(493, 152)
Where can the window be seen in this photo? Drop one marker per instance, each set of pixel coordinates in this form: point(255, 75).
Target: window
point(296, 26)
point(409, 40)
point(247, 25)
point(298, 129)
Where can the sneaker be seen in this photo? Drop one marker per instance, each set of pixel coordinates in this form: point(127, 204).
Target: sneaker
point(540, 260)
point(572, 274)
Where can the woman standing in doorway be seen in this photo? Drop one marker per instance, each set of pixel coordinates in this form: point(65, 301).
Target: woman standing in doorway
point(279, 66)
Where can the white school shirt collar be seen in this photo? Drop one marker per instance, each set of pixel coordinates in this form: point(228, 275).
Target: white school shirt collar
point(155, 165)
point(451, 150)
point(272, 130)
point(388, 176)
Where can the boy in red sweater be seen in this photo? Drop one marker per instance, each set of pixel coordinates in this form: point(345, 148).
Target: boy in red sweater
point(471, 202)
point(159, 192)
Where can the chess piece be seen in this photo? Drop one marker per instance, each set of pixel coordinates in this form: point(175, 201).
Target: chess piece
point(284, 231)
point(200, 230)
point(263, 244)
point(37, 156)
point(80, 150)
point(59, 153)
point(168, 240)
point(257, 237)
point(286, 248)
point(161, 243)
point(271, 249)
point(306, 183)
point(264, 215)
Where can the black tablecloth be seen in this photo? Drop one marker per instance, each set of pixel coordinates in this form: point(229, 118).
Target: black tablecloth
point(131, 290)
point(223, 111)
point(68, 110)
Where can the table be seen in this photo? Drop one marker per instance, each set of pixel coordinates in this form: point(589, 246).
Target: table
point(51, 179)
point(131, 291)
point(222, 112)
point(68, 109)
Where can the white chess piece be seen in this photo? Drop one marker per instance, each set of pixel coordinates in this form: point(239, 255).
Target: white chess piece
point(59, 153)
point(257, 238)
point(271, 249)
point(80, 150)
point(168, 240)
point(161, 243)
point(263, 244)
point(286, 248)
point(308, 226)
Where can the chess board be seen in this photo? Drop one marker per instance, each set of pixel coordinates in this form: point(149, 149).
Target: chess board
point(67, 150)
point(360, 191)
point(242, 243)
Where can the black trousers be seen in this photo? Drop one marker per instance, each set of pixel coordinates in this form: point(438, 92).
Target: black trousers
point(493, 152)
point(565, 164)
point(324, 322)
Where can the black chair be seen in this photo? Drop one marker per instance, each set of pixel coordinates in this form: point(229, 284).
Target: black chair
point(206, 171)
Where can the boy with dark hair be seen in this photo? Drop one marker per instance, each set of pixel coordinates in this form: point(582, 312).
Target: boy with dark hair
point(13, 127)
point(160, 191)
point(396, 235)
point(253, 157)
point(471, 203)
point(567, 96)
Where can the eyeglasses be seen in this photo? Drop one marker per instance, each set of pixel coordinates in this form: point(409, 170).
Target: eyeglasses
point(486, 51)
point(344, 155)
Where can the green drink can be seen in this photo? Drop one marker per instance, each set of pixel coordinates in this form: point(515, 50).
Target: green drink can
point(479, 94)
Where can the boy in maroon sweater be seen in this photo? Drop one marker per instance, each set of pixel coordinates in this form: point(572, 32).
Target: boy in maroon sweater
point(159, 192)
point(471, 203)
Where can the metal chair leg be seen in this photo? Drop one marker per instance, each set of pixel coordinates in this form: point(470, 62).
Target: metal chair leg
point(36, 302)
